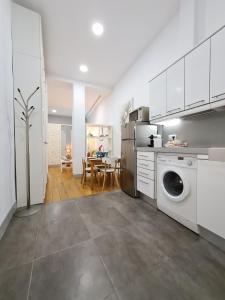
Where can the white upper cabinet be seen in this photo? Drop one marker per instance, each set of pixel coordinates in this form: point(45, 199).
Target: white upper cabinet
point(26, 31)
point(158, 97)
point(175, 88)
point(197, 65)
point(218, 66)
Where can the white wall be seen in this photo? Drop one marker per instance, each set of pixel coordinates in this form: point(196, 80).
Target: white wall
point(163, 51)
point(7, 178)
point(179, 36)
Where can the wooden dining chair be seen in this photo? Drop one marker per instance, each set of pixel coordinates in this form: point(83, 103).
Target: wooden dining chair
point(86, 170)
point(110, 168)
point(95, 165)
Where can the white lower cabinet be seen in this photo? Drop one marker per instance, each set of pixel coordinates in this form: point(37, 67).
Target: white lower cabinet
point(146, 186)
point(146, 173)
point(211, 196)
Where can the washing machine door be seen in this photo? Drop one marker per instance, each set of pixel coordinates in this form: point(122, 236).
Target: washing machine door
point(174, 184)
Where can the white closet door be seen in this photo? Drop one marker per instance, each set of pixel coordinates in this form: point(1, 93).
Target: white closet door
point(27, 73)
point(175, 88)
point(197, 65)
point(218, 66)
point(157, 90)
point(26, 31)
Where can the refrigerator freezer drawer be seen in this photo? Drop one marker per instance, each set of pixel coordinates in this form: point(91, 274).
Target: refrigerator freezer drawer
point(146, 155)
point(146, 164)
point(146, 186)
point(146, 173)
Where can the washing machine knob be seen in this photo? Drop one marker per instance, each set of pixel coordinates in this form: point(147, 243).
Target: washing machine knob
point(189, 163)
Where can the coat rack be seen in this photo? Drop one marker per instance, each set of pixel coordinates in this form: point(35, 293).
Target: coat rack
point(26, 114)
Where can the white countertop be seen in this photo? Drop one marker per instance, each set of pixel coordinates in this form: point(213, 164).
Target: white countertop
point(185, 150)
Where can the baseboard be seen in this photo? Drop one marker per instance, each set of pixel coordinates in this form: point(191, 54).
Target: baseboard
point(213, 238)
point(7, 219)
point(148, 200)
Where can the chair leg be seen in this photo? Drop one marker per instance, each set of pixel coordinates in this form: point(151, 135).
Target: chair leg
point(82, 176)
point(116, 179)
point(104, 179)
point(84, 179)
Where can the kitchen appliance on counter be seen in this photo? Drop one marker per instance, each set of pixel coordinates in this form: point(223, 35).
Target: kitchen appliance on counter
point(177, 187)
point(133, 135)
point(140, 114)
point(155, 141)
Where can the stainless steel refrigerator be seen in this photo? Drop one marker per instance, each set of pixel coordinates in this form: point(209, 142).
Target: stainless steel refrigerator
point(133, 135)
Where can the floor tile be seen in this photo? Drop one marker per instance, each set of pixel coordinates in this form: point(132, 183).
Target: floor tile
point(73, 274)
point(127, 254)
point(60, 234)
point(166, 282)
point(206, 266)
point(102, 219)
point(17, 244)
point(59, 211)
point(14, 283)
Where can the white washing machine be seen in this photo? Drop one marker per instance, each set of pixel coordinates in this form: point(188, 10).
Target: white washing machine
point(177, 188)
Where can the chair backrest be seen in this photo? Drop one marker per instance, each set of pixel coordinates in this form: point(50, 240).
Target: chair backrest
point(93, 162)
point(111, 161)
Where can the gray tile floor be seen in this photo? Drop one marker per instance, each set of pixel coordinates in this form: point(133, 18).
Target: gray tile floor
point(107, 247)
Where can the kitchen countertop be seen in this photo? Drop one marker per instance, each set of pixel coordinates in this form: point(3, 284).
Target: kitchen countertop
point(185, 150)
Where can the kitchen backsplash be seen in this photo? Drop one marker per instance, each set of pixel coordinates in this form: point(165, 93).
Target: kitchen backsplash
point(205, 130)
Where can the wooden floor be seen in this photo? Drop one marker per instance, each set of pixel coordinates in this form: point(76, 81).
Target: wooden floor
point(63, 186)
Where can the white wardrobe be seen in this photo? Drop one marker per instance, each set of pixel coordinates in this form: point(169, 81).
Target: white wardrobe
point(28, 70)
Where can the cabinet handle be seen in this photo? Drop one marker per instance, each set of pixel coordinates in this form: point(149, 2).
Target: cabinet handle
point(172, 110)
point(143, 173)
point(143, 155)
point(216, 96)
point(155, 116)
point(201, 101)
point(143, 181)
point(145, 165)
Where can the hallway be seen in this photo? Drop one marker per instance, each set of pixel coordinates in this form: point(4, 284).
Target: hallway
point(63, 186)
point(107, 247)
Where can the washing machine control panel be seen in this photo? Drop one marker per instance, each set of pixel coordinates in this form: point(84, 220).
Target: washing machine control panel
point(178, 160)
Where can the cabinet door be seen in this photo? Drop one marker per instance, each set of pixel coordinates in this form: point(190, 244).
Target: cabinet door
point(175, 88)
point(158, 97)
point(26, 31)
point(218, 66)
point(211, 191)
point(197, 64)
point(27, 74)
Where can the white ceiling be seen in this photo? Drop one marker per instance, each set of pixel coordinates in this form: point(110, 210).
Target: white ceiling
point(60, 97)
point(130, 25)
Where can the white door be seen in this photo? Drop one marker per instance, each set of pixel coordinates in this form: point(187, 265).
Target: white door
point(27, 74)
point(175, 88)
point(158, 97)
point(218, 66)
point(197, 64)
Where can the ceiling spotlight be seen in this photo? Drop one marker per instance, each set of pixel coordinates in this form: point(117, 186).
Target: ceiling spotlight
point(83, 68)
point(54, 111)
point(97, 29)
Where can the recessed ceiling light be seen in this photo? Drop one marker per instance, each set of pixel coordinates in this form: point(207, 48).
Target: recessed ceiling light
point(54, 110)
point(98, 29)
point(83, 68)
